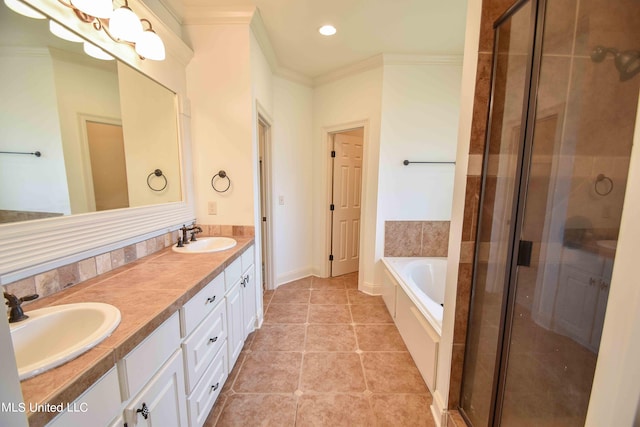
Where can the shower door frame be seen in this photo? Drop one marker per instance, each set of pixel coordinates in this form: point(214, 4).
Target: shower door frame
point(521, 182)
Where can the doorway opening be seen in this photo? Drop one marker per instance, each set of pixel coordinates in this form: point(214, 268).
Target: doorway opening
point(346, 148)
point(264, 177)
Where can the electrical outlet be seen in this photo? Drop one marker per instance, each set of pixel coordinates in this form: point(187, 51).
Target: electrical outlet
point(281, 200)
point(213, 208)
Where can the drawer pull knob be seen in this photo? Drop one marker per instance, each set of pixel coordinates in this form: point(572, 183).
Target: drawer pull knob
point(211, 299)
point(144, 411)
point(214, 339)
point(215, 387)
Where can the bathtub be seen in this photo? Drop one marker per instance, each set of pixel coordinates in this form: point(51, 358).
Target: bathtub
point(413, 291)
point(422, 279)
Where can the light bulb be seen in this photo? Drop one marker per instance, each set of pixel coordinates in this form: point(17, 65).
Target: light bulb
point(60, 31)
point(95, 52)
point(95, 8)
point(327, 30)
point(124, 24)
point(23, 9)
point(150, 46)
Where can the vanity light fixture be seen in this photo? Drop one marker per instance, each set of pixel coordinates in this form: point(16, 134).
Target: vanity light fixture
point(23, 9)
point(327, 30)
point(60, 31)
point(95, 52)
point(122, 26)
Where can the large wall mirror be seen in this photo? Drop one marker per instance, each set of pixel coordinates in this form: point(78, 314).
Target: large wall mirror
point(107, 134)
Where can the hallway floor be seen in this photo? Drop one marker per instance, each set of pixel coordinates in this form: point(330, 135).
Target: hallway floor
point(326, 355)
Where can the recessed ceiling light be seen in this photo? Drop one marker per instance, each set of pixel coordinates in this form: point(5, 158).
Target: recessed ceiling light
point(327, 30)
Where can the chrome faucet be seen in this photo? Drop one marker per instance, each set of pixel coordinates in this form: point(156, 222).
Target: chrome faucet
point(16, 314)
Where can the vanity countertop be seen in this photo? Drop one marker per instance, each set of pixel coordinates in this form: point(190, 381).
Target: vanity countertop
point(147, 292)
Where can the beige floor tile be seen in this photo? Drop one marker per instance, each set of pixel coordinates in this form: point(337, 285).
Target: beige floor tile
point(338, 337)
point(379, 338)
point(215, 411)
point(269, 372)
point(331, 372)
point(293, 296)
point(304, 283)
point(329, 314)
point(266, 298)
point(286, 313)
point(228, 384)
point(279, 337)
point(370, 313)
point(402, 410)
point(357, 297)
point(250, 410)
point(337, 296)
point(393, 372)
point(332, 410)
point(327, 283)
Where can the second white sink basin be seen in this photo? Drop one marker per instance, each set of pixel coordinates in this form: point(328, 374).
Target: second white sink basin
point(54, 335)
point(207, 244)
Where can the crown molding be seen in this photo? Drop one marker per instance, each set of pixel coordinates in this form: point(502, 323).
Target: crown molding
point(294, 76)
point(349, 70)
point(208, 15)
point(415, 59)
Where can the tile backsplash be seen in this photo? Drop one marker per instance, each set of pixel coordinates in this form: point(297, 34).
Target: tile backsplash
point(52, 281)
point(416, 238)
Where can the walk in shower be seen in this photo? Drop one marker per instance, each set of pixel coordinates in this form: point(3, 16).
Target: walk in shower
point(564, 96)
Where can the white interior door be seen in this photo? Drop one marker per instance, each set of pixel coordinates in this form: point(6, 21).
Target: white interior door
point(347, 192)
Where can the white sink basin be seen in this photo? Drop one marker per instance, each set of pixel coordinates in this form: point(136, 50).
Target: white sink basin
point(608, 244)
point(206, 244)
point(54, 335)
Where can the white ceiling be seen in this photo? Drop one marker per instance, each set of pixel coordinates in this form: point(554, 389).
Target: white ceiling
point(365, 28)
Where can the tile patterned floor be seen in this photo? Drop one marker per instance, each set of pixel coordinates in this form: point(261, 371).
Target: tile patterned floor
point(326, 355)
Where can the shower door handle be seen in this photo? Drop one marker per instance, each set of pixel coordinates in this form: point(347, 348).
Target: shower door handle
point(524, 253)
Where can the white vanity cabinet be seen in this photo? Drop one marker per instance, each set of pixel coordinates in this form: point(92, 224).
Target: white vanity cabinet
point(96, 406)
point(235, 322)
point(249, 291)
point(152, 379)
point(205, 348)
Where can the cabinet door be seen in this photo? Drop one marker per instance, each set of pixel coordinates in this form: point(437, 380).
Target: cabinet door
point(249, 300)
point(162, 402)
point(576, 303)
point(235, 324)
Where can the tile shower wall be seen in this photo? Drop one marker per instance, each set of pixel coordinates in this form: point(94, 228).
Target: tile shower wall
point(416, 238)
point(52, 281)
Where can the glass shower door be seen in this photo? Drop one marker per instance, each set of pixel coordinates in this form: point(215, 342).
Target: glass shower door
point(571, 201)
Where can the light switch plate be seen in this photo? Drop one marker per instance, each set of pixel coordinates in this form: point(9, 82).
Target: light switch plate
point(213, 208)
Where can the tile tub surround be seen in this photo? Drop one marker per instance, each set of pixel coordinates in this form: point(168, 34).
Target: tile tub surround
point(327, 355)
point(147, 292)
point(416, 238)
point(52, 281)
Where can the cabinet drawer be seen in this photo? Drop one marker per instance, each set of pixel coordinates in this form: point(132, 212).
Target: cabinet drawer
point(198, 307)
point(96, 406)
point(203, 344)
point(206, 392)
point(142, 362)
point(247, 258)
point(162, 402)
point(232, 273)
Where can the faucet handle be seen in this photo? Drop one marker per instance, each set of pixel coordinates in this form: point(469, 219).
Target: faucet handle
point(29, 297)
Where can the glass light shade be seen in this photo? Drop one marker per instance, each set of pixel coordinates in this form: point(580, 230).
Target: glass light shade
point(124, 24)
point(60, 31)
point(150, 46)
point(23, 9)
point(95, 52)
point(95, 8)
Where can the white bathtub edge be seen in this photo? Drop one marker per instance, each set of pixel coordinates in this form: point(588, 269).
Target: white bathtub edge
point(410, 293)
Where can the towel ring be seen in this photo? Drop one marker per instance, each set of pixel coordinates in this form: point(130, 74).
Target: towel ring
point(222, 175)
point(609, 185)
point(157, 173)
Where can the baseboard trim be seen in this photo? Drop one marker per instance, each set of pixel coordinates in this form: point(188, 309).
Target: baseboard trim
point(438, 410)
point(371, 288)
point(293, 275)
